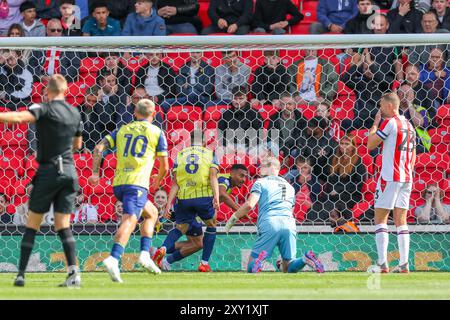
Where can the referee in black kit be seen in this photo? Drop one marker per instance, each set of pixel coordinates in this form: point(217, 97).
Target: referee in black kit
point(58, 130)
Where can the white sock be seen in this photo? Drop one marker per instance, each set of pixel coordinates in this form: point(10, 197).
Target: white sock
point(145, 253)
point(382, 241)
point(204, 262)
point(403, 243)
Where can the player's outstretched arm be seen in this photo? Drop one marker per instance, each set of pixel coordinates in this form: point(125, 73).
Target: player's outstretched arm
point(17, 117)
point(225, 198)
point(97, 158)
point(243, 210)
point(215, 187)
point(172, 194)
point(162, 172)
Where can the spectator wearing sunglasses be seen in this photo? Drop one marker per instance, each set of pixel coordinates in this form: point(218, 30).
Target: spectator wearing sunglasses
point(49, 62)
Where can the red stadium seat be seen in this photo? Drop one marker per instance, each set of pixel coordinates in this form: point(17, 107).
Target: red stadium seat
point(301, 28)
point(30, 166)
point(109, 166)
point(213, 58)
point(443, 115)
point(440, 139)
point(432, 167)
point(360, 136)
point(253, 58)
point(307, 111)
point(177, 59)
point(214, 113)
point(203, 13)
point(360, 209)
point(309, 10)
point(89, 68)
point(83, 165)
point(36, 95)
point(342, 107)
point(76, 92)
point(368, 190)
point(184, 117)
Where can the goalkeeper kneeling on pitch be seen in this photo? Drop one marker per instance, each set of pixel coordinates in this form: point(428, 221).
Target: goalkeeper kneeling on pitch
point(276, 224)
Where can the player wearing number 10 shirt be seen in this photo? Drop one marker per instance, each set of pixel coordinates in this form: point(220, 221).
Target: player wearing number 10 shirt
point(137, 144)
point(395, 182)
point(196, 187)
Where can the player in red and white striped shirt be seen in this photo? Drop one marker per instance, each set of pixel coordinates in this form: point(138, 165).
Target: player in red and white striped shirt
point(395, 182)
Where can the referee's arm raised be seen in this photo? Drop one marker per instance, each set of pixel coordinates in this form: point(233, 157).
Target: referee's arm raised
point(14, 117)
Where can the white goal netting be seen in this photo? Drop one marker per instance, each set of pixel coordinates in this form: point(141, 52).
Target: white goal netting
point(308, 102)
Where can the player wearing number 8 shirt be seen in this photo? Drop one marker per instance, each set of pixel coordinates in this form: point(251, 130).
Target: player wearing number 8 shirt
point(196, 187)
point(395, 182)
point(276, 224)
point(137, 144)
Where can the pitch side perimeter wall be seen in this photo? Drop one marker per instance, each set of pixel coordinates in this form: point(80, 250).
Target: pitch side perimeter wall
point(430, 251)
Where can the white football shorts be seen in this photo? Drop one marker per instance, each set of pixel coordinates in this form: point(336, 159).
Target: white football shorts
point(391, 194)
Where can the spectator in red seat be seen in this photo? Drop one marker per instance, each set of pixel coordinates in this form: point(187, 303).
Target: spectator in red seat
point(435, 76)
point(11, 16)
point(70, 23)
point(318, 147)
point(434, 210)
point(180, 15)
point(32, 27)
point(303, 180)
point(96, 119)
point(315, 79)
point(286, 128)
point(158, 78)
point(47, 9)
point(114, 64)
point(406, 18)
point(238, 121)
point(271, 79)
point(341, 219)
point(417, 115)
point(421, 54)
point(422, 96)
point(231, 74)
point(100, 23)
point(333, 15)
point(345, 175)
point(334, 128)
point(46, 63)
point(369, 80)
point(127, 115)
point(195, 83)
point(145, 21)
point(443, 13)
point(359, 24)
point(230, 16)
point(15, 80)
point(271, 16)
point(84, 211)
point(5, 217)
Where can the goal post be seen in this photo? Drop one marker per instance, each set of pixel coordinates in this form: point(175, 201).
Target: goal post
point(308, 99)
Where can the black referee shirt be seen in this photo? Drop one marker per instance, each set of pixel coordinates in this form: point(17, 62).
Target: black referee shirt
point(57, 123)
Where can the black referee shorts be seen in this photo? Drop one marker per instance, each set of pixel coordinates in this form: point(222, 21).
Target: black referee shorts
point(50, 187)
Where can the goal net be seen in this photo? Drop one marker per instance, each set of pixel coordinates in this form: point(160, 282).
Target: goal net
point(308, 100)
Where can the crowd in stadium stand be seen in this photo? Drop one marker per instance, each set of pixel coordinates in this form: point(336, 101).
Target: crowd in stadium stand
point(320, 103)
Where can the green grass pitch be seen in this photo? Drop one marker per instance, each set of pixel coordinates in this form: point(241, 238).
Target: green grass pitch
point(237, 285)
